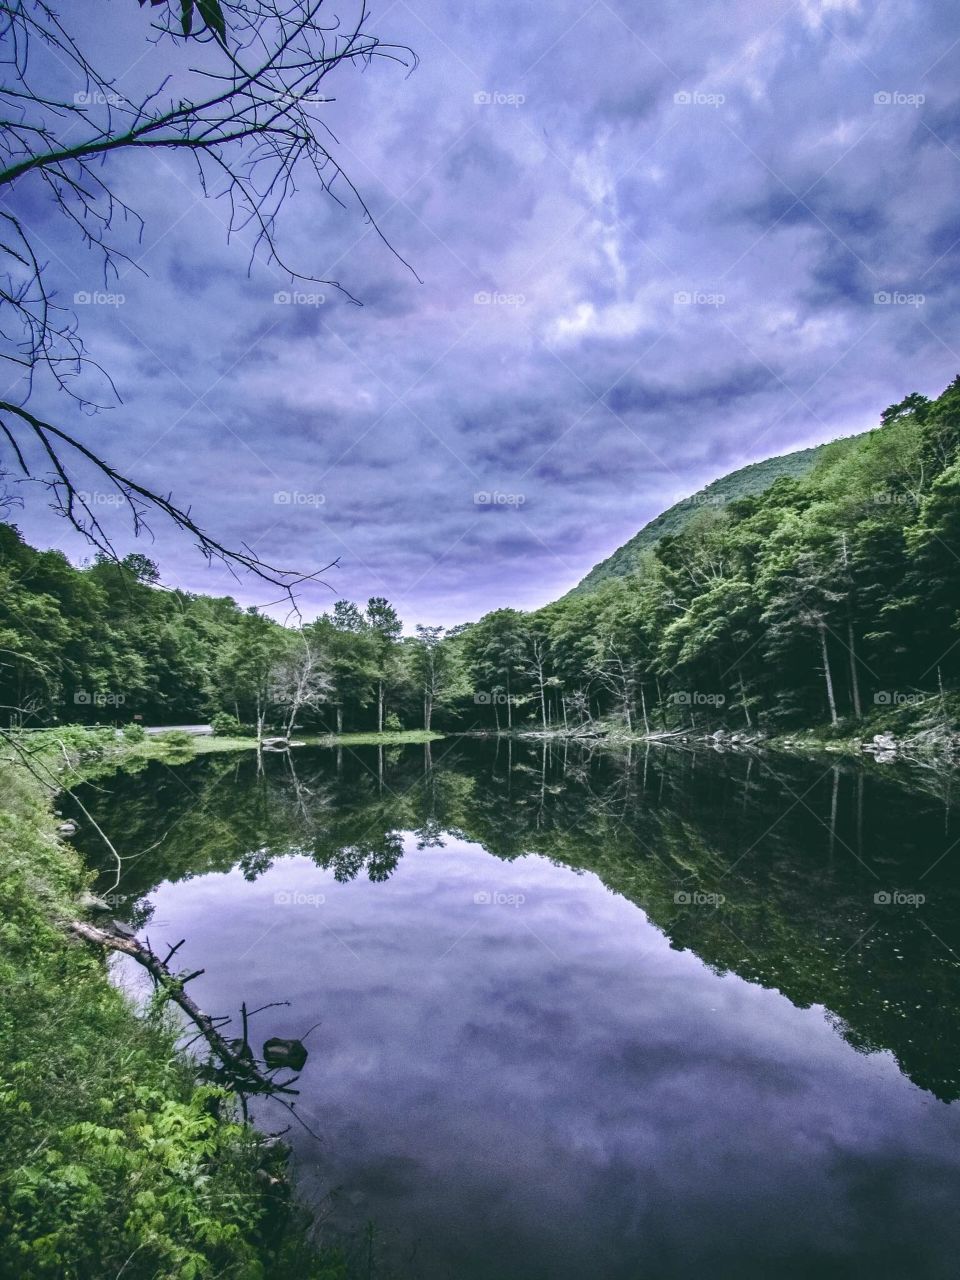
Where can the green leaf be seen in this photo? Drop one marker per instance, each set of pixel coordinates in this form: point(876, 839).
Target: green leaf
point(212, 15)
point(186, 16)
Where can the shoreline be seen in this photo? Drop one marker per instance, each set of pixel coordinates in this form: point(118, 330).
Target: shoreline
point(162, 1161)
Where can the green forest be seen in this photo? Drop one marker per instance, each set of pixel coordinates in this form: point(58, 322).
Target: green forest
point(826, 600)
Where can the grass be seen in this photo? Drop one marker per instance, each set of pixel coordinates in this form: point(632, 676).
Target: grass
point(397, 739)
point(105, 745)
point(116, 1159)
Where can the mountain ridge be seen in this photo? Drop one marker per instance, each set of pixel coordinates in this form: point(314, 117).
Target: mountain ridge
point(747, 481)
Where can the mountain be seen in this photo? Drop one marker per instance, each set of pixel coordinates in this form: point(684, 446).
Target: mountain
point(746, 482)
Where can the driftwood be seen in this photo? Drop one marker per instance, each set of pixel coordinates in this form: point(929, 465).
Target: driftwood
point(235, 1056)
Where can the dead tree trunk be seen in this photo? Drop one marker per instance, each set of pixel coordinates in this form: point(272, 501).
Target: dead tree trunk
point(827, 674)
point(854, 676)
point(247, 1075)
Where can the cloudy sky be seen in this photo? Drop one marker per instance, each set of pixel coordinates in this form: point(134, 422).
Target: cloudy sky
point(650, 245)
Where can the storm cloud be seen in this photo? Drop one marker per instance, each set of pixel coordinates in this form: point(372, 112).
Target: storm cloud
point(652, 246)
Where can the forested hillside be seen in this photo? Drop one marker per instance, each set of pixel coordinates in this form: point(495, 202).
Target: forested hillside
point(830, 598)
point(744, 483)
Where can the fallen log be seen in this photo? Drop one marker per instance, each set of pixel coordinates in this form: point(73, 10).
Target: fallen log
point(235, 1056)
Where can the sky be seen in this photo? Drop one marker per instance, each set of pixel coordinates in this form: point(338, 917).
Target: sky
point(649, 245)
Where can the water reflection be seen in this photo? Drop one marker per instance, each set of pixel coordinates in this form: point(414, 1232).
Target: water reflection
point(518, 1072)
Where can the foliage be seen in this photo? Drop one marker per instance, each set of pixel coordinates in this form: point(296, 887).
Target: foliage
point(177, 740)
point(749, 480)
point(225, 725)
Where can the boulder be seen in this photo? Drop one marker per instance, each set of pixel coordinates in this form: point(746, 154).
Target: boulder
point(285, 1053)
point(90, 902)
point(68, 828)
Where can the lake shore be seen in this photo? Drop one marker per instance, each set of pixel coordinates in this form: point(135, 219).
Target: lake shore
point(938, 745)
point(117, 1144)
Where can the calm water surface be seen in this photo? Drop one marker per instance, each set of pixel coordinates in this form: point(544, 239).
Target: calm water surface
point(583, 1014)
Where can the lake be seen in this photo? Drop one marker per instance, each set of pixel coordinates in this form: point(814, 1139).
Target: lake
point(582, 1013)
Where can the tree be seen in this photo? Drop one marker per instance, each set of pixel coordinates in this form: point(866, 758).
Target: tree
point(803, 598)
point(347, 645)
point(535, 655)
point(430, 666)
point(385, 627)
point(299, 679)
point(247, 668)
point(494, 651)
point(246, 108)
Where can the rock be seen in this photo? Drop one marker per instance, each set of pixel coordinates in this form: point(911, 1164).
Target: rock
point(285, 1053)
point(90, 902)
point(68, 828)
point(122, 930)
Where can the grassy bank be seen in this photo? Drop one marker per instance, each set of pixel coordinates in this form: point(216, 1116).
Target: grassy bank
point(87, 745)
point(116, 1160)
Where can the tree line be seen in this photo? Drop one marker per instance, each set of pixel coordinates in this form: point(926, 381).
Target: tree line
point(825, 600)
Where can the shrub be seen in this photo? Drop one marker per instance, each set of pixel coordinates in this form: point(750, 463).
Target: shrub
point(392, 723)
point(134, 732)
point(81, 743)
point(177, 740)
point(225, 725)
